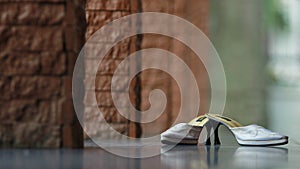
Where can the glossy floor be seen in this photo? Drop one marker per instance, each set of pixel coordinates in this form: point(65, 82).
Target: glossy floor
point(181, 157)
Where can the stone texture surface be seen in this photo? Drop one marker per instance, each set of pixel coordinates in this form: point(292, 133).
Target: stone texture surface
point(99, 18)
point(39, 43)
point(103, 83)
point(117, 52)
point(27, 63)
point(32, 13)
point(35, 87)
point(53, 63)
point(107, 67)
point(45, 38)
point(37, 135)
point(99, 13)
point(112, 5)
point(29, 135)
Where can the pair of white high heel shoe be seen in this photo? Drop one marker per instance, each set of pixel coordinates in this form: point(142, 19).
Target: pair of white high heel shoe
point(250, 135)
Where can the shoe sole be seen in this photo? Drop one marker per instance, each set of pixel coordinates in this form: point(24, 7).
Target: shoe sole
point(263, 143)
point(165, 140)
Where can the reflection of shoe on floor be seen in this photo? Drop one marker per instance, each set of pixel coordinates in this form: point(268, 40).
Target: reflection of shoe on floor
point(260, 157)
point(183, 157)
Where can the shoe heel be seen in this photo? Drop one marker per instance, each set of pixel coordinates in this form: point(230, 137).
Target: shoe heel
point(208, 130)
point(214, 127)
point(216, 133)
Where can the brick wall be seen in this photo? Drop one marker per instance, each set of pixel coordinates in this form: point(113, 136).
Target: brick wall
point(100, 12)
point(39, 43)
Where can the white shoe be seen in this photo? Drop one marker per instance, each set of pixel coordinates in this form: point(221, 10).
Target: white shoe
point(251, 135)
point(184, 133)
point(181, 133)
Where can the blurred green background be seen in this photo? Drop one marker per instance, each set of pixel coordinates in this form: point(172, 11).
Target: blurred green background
point(258, 43)
point(236, 30)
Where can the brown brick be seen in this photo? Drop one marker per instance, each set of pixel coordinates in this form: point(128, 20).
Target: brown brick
point(120, 83)
point(100, 18)
point(98, 83)
point(23, 87)
point(105, 99)
point(36, 135)
point(111, 115)
point(110, 33)
point(35, 87)
point(5, 88)
point(92, 129)
point(36, 36)
point(8, 13)
point(90, 31)
point(89, 100)
point(89, 83)
point(53, 63)
point(107, 67)
point(18, 110)
point(31, 13)
point(121, 128)
point(108, 5)
point(102, 98)
point(91, 66)
point(5, 32)
point(118, 51)
point(49, 1)
point(28, 111)
point(30, 38)
point(6, 136)
point(103, 83)
point(103, 130)
point(121, 50)
point(47, 112)
point(16, 63)
point(48, 87)
point(92, 114)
